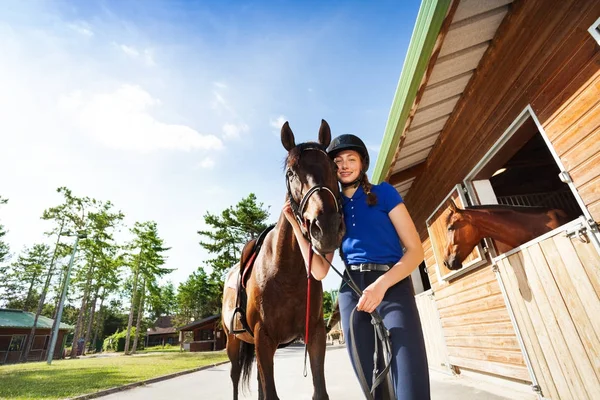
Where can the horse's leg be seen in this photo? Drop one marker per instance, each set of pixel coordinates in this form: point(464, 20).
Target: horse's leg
point(316, 353)
point(261, 395)
point(265, 351)
point(233, 352)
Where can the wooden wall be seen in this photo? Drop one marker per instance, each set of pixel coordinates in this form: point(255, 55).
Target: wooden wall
point(542, 55)
point(477, 328)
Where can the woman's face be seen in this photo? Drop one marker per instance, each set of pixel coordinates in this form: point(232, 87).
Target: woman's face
point(349, 166)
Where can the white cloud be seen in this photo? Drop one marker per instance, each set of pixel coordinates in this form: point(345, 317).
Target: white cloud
point(207, 163)
point(278, 122)
point(232, 131)
point(220, 85)
point(146, 55)
point(122, 120)
point(83, 28)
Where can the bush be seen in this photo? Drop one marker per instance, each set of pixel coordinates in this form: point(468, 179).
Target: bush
point(116, 341)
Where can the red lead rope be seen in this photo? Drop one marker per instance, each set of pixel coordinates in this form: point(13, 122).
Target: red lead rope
point(308, 279)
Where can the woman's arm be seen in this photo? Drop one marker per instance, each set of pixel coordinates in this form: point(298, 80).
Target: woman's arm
point(411, 259)
point(319, 267)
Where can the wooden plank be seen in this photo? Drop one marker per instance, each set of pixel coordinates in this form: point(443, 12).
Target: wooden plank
point(582, 302)
point(445, 89)
point(499, 356)
point(511, 371)
point(478, 29)
point(578, 106)
point(530, 341)
point(472, 280)
point(457, 63)
point(586, 171)
point(558, 323)
point(587, 124)
point(490, 329)
point(589, 258)
point(496, 315)
point(481, 304)
point(407, 174)
point(594, 210)
point(416, 133)
point(435, 111)
point(469, 8)
point(590, 192)
point(542, 333)
point(478, 292)
point(588, 147)
point(485, 342)
point(432, 330)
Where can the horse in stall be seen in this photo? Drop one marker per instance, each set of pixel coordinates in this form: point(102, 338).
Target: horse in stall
point(509, 225)
point(276, 290)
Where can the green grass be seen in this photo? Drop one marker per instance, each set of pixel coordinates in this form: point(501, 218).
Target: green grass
point(161, 349)
point(69, 378)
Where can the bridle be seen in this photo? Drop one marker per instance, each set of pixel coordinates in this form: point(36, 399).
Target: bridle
point(298, 208)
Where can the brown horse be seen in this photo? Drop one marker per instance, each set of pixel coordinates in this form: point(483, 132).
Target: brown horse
point(509, 225)
point(277, 287)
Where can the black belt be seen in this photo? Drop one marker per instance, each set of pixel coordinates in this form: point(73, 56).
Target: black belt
point(371, 267)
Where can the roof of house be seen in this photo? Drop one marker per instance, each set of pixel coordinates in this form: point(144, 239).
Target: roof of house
point(162, 326)
point(448, 43)
point(197, 324)
point(10, 318)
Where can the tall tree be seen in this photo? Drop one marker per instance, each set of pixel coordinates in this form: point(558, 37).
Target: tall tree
point(162, 301)
point(148, 266)
point(68, 216)
point(24, 277)
point(198, 297)
point(102, 222)
point(230, 231)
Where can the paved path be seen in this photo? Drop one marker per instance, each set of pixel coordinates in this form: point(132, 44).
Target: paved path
point(214, 383)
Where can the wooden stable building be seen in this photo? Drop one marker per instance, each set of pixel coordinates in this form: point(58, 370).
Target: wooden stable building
point(208, 335)
point(499, 103)
point(15, 328)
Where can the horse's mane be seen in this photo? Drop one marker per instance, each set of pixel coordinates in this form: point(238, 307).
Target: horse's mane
point(294, 155)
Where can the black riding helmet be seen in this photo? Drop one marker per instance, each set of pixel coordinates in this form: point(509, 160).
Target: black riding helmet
point(349, 142)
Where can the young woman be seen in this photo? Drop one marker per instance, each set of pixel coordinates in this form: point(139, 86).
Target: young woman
point(381, 248)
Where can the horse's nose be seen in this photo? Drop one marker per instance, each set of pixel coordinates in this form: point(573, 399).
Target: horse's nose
point(446, 264)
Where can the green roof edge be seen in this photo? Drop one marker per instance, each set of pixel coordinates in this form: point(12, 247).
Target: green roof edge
point(427, 27)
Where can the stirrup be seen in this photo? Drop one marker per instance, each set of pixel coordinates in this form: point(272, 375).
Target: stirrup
point(245, 327)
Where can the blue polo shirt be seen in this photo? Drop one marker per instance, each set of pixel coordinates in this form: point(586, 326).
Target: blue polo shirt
point(370, 235)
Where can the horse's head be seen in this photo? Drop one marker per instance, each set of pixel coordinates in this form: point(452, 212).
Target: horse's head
point(462, 237)
point(313, 189)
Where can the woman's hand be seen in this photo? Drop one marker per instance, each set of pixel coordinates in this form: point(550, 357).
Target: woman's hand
point(371, 297)
point(289, 214)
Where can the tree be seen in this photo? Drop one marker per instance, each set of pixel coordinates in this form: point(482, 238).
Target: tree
point(24, 276)
point(147, 266)
point(198, 297)
point(162, 301)
point(70, 215)
point(230, 231)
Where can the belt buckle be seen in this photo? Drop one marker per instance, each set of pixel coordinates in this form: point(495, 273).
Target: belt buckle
point(365, 269)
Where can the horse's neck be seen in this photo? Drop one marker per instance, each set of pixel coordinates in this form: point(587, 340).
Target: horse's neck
point(498, 226)
point(285, 244)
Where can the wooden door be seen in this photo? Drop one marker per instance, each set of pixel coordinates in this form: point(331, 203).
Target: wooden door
point(435, 344)
point(553, 285)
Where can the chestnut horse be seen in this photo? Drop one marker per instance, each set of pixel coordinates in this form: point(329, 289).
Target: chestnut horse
point(277, 287)
point(509, 225)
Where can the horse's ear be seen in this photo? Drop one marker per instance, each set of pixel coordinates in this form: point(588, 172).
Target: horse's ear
point(453, 206)
point(287, 137)
point(324, 133)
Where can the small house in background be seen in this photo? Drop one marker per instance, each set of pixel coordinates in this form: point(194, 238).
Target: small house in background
point(163, 332)
point(208, 334)
point(15, 328)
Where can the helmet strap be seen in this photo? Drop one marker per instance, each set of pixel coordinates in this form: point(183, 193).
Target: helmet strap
point(355, 182)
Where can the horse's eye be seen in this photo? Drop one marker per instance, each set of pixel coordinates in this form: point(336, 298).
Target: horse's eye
point(289, 173)
point(451, 228)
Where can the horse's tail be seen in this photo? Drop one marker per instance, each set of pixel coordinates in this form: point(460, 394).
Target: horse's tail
point(245, 362)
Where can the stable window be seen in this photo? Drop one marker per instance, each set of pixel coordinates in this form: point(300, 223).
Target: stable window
point(521, 170)
point(594, 30)
point(437, 225)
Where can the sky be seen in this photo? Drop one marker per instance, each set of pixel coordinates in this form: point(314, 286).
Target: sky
point(172, 109)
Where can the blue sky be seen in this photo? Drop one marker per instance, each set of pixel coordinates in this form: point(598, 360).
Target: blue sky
point(171, 109)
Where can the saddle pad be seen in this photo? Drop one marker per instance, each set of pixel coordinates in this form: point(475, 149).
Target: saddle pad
point(233, 277)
